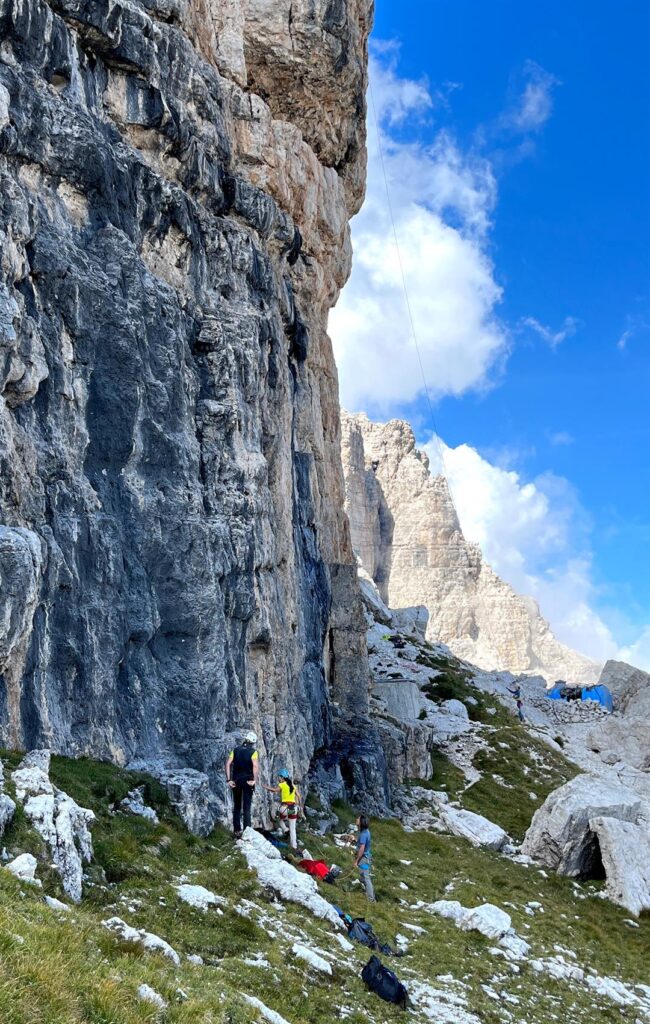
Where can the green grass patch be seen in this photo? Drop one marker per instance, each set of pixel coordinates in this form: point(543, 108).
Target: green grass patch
point(67, 969)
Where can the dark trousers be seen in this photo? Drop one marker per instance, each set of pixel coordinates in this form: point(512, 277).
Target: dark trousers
point(241, 794)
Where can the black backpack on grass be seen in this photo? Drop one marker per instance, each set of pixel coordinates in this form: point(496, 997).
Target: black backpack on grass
point(384, 983)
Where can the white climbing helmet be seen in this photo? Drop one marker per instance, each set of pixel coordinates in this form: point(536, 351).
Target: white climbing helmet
point(250, 737)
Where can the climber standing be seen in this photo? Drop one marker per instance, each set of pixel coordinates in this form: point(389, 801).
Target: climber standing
point(290, 801)
point(242, 769)
point(363, 856)
point(516, 693)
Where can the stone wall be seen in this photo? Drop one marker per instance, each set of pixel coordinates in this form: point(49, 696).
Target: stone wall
point(176, 179)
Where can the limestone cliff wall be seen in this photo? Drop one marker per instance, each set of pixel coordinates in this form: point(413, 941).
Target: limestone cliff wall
point(176, 179)
point(406, 533)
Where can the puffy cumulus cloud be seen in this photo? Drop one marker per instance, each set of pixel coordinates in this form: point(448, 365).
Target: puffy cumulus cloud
point(534, 535)
point(441, 200)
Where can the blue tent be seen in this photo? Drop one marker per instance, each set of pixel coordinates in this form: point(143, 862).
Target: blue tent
point(600, 693)
point(557, 692)
point(561, 691)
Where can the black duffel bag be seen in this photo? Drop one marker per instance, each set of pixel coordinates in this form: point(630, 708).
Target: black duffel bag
point(384, 983)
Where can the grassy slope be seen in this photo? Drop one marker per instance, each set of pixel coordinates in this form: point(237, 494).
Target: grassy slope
point(68, 969)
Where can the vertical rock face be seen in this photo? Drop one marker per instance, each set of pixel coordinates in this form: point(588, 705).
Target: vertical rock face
point(176, 178)
point(406, 533)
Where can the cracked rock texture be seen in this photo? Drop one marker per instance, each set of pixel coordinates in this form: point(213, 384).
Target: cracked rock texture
point(176, 179)
point(57, 818)
point(406, 534)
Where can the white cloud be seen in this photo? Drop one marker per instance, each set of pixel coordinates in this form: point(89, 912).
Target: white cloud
point(623, 340)
point(533, 534)
point(553, 338)
point(535, 103)
point(638, 653)
point(441, 202)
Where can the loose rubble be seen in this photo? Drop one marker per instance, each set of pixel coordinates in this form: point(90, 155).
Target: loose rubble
point(134, 803)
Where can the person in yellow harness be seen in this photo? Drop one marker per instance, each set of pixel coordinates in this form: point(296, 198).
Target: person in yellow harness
point(290, 801)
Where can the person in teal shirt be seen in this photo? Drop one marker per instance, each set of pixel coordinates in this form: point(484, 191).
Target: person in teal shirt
point(363, 856)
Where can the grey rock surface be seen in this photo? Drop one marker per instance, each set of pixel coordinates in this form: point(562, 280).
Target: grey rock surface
point(175, 559)
point(401, 698)
point(190, 796)
point(624, 739)
point(7, 805)
point(630, 686)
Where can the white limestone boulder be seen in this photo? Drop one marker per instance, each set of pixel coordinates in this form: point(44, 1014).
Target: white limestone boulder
point(282, 878)
point(24, 868)
point(625, 739)
point(560, 836)
point(314, 959)
point(152, 943)
point(199, 897)
point(149, 995)
point(487, 919)
point(479, 831)
point(59, 820)
point(625, 853)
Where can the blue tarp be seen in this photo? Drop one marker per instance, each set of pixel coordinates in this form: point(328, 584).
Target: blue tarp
point(557, 693)
point(599, 693)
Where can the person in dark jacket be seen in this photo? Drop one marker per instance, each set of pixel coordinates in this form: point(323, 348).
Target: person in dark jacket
point(242, 769)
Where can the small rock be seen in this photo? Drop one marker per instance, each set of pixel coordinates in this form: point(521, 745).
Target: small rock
point(55, 904)
point(149, 995)
point(199, 897)
point(307, 954)
point(134, 802)
point(152, 943)
point(24, 868)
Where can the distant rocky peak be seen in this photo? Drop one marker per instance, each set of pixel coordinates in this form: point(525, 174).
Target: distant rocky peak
point(408, 538)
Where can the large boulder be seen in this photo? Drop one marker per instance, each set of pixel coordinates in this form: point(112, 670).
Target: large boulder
point(407, 749)
point(625, 852)
point(627, 684)
point(625, 739)
point(478, 830)
point(190, 796)
point(560, 835)
point(402, 698)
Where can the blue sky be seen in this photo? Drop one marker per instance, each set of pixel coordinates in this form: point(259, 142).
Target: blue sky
point(515, 142)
